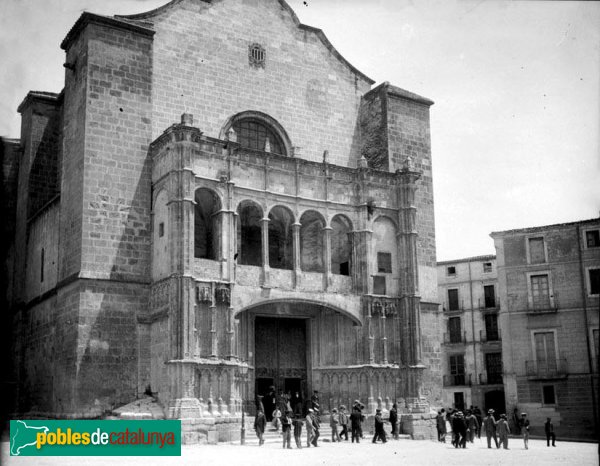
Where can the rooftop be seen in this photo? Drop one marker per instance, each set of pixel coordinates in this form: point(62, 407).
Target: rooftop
point(544, 227)
point(469, 259)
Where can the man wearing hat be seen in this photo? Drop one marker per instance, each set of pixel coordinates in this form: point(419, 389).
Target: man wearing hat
point(524, 425)
point(356, 422)
point(379, 432)
point(358, 406)
point(459, 427)
point(472, 426)
point(489, 426)
point(503, 431)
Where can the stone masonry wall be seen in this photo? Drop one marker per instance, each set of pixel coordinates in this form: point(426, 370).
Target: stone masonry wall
point(116, 190)
point(44, 353)
point(37, 130)
point(42, 268)
point(74, 103)
point(431, 322)
point(409, 136)
point(107, 347)
point(303, 85)
point(44, 181)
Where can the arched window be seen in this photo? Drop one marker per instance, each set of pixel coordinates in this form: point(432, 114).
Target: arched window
point(206, 227)
point(311, 241)
point(257, 131)
point(280, 238)
point(254, 134)
point(341, 245)
point(249, 234)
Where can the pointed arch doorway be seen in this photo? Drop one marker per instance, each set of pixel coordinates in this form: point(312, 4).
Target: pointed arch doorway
point(281, 358)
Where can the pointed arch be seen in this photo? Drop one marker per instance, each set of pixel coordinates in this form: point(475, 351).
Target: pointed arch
point(249, 233)
point(281, 238)
point(341, 245)
point(206, 225)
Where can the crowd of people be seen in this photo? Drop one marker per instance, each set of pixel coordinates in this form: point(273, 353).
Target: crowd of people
point(466, 427)
point(288, 414)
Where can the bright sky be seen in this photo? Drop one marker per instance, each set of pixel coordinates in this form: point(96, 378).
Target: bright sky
point(516, 123)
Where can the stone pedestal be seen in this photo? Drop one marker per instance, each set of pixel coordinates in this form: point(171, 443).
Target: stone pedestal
point(419, 426)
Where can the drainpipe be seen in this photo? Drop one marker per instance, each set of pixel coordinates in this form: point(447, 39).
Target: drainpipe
point(586, 326)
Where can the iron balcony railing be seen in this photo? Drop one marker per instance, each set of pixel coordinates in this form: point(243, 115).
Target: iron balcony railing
point(548, 369)
point(462, 307)
point(456, 380)
point(543, 305)
point(455, 338)
point(490, 336)
point(490, 378)
point(488, 304)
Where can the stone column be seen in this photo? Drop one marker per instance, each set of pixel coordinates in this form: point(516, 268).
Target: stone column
point(231, 352)
point(327, 257)
point(408, 253)
point(213, 324)
point(370, 333)
point(383, 336)
point(296, 254)
point(222, 245)
point(181, 186)
point(265, 250)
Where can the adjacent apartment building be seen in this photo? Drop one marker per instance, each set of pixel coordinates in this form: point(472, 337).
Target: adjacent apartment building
point(549, 289)
point(472, 339)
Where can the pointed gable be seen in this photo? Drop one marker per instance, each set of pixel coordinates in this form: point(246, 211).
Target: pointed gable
point(203, 64)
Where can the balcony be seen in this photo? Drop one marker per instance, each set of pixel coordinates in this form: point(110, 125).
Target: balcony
point(456, 308)
point(455, 338)
point(542, 306)
point(490, 378)
point(489, 306)
point(490, 337)
point(545, 370)
point(457, 380)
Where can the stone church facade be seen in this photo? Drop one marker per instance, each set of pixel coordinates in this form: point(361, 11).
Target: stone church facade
point(216, 203)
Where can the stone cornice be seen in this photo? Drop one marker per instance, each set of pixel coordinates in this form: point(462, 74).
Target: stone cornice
point(395, 91)
point(40, 96)
point(179, 133)
point(91, 18)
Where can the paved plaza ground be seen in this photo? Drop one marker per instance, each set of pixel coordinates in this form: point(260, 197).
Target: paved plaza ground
point(400, 452)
